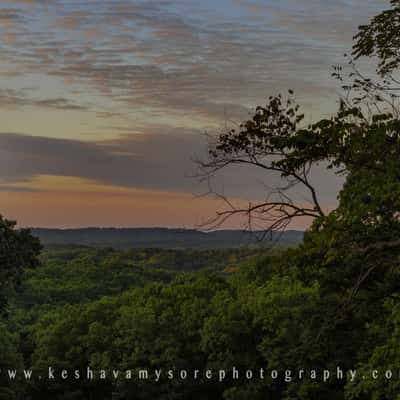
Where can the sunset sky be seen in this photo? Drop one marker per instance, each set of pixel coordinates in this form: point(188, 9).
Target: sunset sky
point(103, 103)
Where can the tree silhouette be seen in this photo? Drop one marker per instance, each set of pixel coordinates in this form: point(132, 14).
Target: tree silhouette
point(361, 142)
point(271, 141)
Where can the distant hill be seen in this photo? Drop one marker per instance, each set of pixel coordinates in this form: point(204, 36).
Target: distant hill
point(160, 238)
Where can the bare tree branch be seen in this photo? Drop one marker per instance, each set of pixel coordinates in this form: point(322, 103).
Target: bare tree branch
point(257, 145)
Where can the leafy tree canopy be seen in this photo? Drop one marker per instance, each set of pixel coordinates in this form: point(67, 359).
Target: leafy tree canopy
point(18, 250)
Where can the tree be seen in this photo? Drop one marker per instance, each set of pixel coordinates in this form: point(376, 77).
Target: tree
point(270, 141)
point(18, 250)
point(361, 142)
point(353, 251)
point(381, 38)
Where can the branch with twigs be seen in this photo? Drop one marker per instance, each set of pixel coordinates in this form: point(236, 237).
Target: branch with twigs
point(276, 212)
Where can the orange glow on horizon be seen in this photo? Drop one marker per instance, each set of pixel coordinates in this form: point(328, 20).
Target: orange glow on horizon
point(67, 202)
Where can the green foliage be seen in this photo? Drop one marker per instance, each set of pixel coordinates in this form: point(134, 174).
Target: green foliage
point(383, 359)
point(285, 310)
point(87, 275)
point(381, 38)
point(18, 250)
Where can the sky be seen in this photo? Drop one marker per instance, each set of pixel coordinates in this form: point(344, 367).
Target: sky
point(104, 103)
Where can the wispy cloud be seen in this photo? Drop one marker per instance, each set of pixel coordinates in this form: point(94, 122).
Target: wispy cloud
point(156, 54)
point(14, 99)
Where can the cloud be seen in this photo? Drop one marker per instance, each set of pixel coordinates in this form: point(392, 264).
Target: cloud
point(21, 98)
point(9, 16)
point(58, 103)
point(183, 57)
point(161, 159)
point(136, 160)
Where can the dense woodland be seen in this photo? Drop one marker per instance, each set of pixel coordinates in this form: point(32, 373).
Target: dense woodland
point(334, 300)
